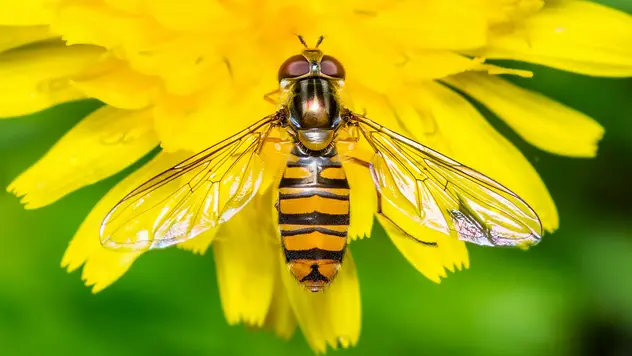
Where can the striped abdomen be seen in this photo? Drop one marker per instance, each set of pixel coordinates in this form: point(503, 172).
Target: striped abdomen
point(314, 216)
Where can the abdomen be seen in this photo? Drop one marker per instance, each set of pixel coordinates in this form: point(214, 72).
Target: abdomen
point(313, 210)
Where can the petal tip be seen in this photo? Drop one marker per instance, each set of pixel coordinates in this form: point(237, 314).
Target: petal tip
point(466, 264)
point(96, 288)
point(552, 226)
point(451, 267)
point(19, 191)
point(436, 278)
point(598, 136)
point(15, 190)
point(68, 265)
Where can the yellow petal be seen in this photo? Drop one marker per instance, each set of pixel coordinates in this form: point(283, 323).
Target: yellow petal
point(329, 318)
point(91, 22)
point(405, 49)
point(541, 121)
point(36, 78)
point(186, 66)
point(502, 11)
point(129, 6)
point(101, 145)
point(274, 156)
point(245, 250)
point(363, 200)
point(199, 244)
point(198, 121)
point(116, 84)
point(461, 133)
point(398, 111)
point(25, 13)
point(13, 36)
point(104, 266)
point(427, 65)
point(355, 158)
point(280, 316)
point(428, 24)
point(187, 15)
point(431, 261)
point(578, 36)
point(360, 60)
point(377, 106)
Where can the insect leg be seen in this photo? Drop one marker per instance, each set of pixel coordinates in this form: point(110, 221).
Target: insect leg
point(357, 161)
point(269, 97)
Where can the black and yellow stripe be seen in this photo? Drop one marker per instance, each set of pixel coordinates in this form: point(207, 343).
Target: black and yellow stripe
point(313, 211)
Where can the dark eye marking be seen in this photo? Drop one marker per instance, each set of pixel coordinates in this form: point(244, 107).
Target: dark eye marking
point(332, 67)
point(294, 66)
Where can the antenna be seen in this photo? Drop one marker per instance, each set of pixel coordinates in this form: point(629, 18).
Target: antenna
point(300, 38)
point(320, 40)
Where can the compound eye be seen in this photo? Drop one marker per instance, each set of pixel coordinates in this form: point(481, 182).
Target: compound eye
point(293, 67)
point(332, 67)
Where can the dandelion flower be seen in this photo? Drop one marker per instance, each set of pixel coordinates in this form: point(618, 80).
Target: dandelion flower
point(184, 74)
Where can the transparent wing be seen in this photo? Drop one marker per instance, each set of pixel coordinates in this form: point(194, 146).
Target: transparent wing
point(191, 197)
point(445, 195)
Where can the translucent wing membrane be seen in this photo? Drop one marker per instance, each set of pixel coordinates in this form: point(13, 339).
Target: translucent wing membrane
point(445, 195)
point(192, 197)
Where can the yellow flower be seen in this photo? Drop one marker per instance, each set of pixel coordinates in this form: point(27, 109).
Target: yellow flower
point(185, 74)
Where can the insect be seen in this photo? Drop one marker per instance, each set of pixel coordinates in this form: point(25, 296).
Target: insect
point(413, 182)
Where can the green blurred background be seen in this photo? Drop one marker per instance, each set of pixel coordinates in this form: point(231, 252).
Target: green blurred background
point(571, 295)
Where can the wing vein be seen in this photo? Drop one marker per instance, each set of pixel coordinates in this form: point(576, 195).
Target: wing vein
point(461, 200)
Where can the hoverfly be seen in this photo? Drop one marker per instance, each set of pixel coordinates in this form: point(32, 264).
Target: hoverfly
point(413, 182)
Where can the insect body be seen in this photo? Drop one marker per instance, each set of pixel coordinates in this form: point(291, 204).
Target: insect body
point(313, 194)
point(414, 183)
point(314, 215)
